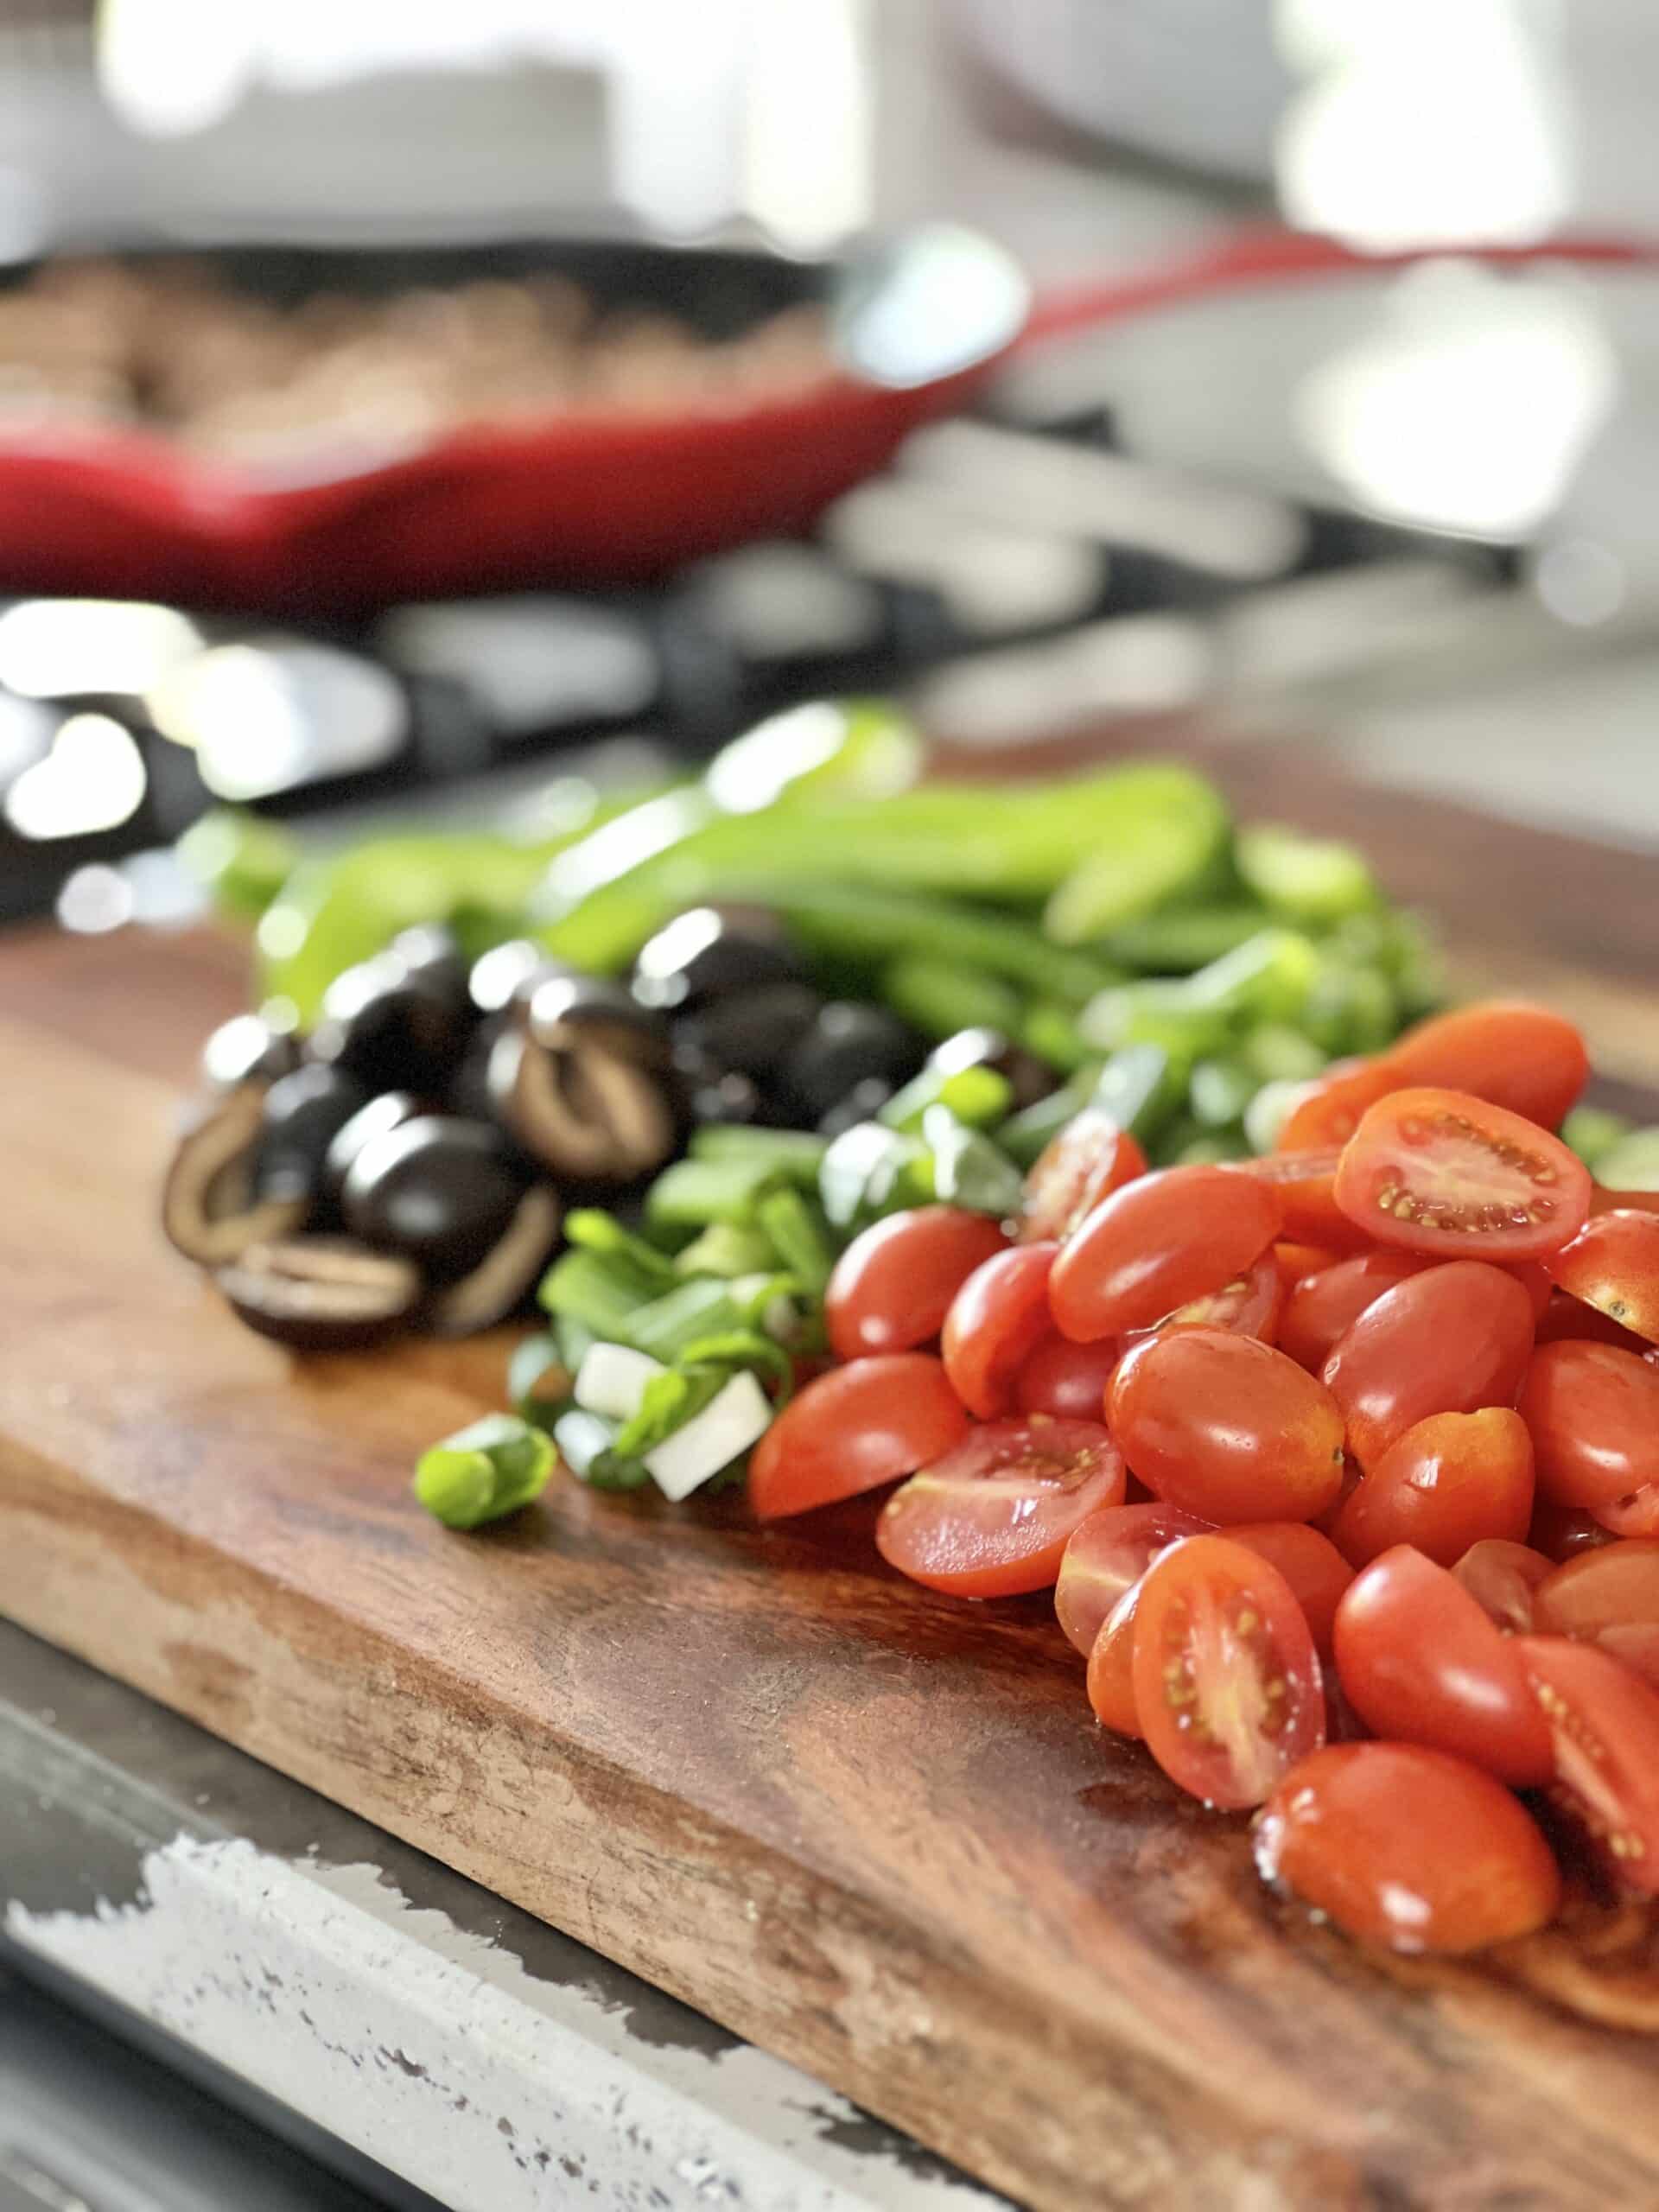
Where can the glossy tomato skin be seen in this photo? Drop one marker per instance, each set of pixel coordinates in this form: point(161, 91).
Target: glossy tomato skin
point(1526, 1059)
point(993, 1516)
point(1502, 1579)
point(1295, 1261)
point(1616, 1586)
point(1249, 1305)
point(1408, 1849)
point(1157, 1243)
point(1336, 1101)
point(1227, 1684)
point(853, 1429)
point(1570, 1320)
point(1443, 1172)
point(1604, 1726)
point(996, 1320)
point(1110, 1553)
point(1226, 1428)
point(1451, 1339)
point(1303, 1185)
point(1111, 1667)
point(1594, 1414)
point(1324, 1306)
point(1532, 1278)
point(1422, 1662)
point(1632, 1517)
point(1089, 1160)
point(1449, 1482)
point(1068, 1381)
point(1613, 1265)
point(1316, 1571)
point(893, 1287)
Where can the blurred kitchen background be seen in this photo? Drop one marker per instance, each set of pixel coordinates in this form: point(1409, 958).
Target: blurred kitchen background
point(1404, 512)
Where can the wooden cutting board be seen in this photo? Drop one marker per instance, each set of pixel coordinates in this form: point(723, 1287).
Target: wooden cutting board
point(874, 1830)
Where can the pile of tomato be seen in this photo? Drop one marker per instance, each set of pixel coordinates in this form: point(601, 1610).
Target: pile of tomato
point(1343, 1465)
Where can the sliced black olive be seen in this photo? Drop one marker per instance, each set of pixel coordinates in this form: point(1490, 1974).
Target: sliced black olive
point(705, 954)
point(503, 1277)
point(389, 1111)
point(321, 1293)
point(469, 1089)
point(303, 1115)
point(565, 1011)
point(863, 1103)
point(432, 960)
point(439, 1190)
point(248, 1049)
point(751, 1032)
point(582, 1110)
point(1029, 1078)
point(393, 1026)
point(845, 1046)
point(211, 1210)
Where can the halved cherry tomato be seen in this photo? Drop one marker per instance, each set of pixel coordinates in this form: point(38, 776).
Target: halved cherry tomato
point(1305, 1184)
point(1409, 1849)
point(996, 1320)
point(1615, 1587)
point(1226, 1428)
point(1442, 1172)
point(1502, 1578)
point(1569, 1320)
point(1634, 1516)
point(1450, 1340)
point(1227, 1684)
point(1311, 1564)
point(1322, 1307)
point(854, 1428)
point(1330, 1112)
point(1613, 1265)
point(1068, 1381)
point(1249, 1305)
point(1422, 1662)
point(1089, 1159)
point(993, 1516)
point(1107, 1556)
point(1523, 1057)
point(1447, 1483)
point(1563, 1531)
point(1593, 1413)
point(1296, 1262)
point(1157, 1243)
point(893, 1287)
point(1603, 1725)
point(1111, 1667)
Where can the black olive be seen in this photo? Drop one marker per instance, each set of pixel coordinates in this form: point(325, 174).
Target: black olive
point(437, 1189)
point(432, 960)
point(303, 1114)
point(507, 972)
point(248, 1049)
point(751, 1032)
point(211, 1208)
point(566, 1010)
point(508, 1271)
point(1029, 1078)
point(468, 1094)
point(845, 1046)
point(395, 1025)
point(705, 954)
point(389, 1111)
point(728, 1097)
point(321, 1293)
point(863, 1103)
point(583, 1109)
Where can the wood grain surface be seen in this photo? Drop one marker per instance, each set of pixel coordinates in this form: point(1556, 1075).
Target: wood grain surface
point(873, 1829)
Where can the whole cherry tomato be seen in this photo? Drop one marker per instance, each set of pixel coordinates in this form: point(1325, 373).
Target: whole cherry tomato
point(1450, 1340)
point(893, 1287)
point(1227, 1684)
point(1158, 1243)
point(1329, 1112)
point(1569, 1320)
point(854, 1428)
point(1443, 1172)
point(1563, 1531)
point(1603, 1725)
point(1110, 1553)
point(1613, 1265)
point(1111, 1667)
point(1593, 1413)
point(1447, 1483)
point(1068, 1381)
point(1501, 1578)
point(1311, 1564)
point(1420, 1661)
point(1634, 1516)
point(1322, 1307)
point(1523, 1057)
point(996, 1320)
point(1249, 1305)
point(1530, 1274)
point(993, 1516)
point(1409, 1849)
point(1089, 1160)
point(1226, 1428)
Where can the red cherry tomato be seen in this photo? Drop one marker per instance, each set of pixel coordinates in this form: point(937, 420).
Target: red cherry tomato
point(1107, 1556)
point(1322, 1307)
point(1634, 1516)
point(852, 1429)
point(996, 1320)
point(1593, 1413)
point(1408, 1849)
point(1603, 1725)
point(1226, 1428)
point(1563, 1531)
point(1530, 1274)
point(1520, 1057)
point(1249, 1305)
point(1569, 1320)
point(1447, 1483)
point(1422, 1662)
point(1305, 1184)
point(1227, 1684)
point(1296, 1262)
point(993, 1516)
point(1443, 1172)
point(1089, 1159)
point(893, 1286)
point(1157, 1243)
point(1311, 1564)
point(1067, 1379)
point(1330, 1112)
point(1450, 1340)
point(1111, 1667)
point(1613, 1265)
point(1609, 1597)
point(1502, 1578)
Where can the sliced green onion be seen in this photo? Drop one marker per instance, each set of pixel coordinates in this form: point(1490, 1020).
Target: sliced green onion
point(594, 1231)
point(539, 1382)
point(600, 1292)
point(1632, 1164)
point(725, 1248)
point(863, 1171)
point(1593, 1132)
point(1219, 1091)
point(587, 1446)
point(968, 1168)
point(795, 1156)
point(692, 1193)
point(673, 1396)
point(1314, 879)
point(800, 1237)
point(726, 1427)
point(485, 1471)
point(939, 997)
point(701, 1308)
point(612, 1380)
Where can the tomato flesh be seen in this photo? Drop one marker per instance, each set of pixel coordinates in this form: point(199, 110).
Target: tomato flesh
point(1227, 1684)
point(1157, 1243)
point(1322, 1308)
point(892, 1287)
point(1068, 1381)
point(1592, 1412)
point(1450, 1482)
point(993, 1516)
point(1226, 1428)
point(1107, 1556)
point(1603, 1727)
point(1613, 1265)
point(1420, 1662)
point(1409, 1849)
point(1443, 1172)
point(996, 1320)
point(1089, 1160)
point(853, 1429)
point(1501, 1578)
